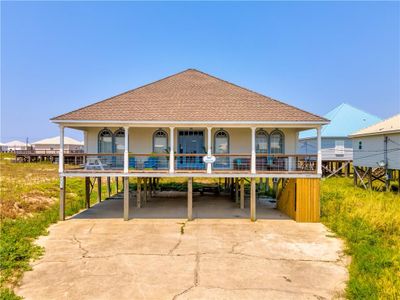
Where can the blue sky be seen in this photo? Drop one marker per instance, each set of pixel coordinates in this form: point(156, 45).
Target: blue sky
point(59, 56)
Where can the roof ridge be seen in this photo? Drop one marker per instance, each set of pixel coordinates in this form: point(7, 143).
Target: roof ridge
point(120, 94)
point(362, 110)
point(251, 91)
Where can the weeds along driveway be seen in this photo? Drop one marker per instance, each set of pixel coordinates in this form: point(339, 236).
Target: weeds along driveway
point(175, 259)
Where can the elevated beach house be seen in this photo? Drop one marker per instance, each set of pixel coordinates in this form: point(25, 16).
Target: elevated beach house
point(51, 144)
point(337, 148)
point(377, 152)
point(192, 125)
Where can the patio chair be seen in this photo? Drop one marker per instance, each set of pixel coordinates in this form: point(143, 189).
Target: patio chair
point(151, 163)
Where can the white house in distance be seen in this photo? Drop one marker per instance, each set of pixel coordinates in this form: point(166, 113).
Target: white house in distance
point(337, 148)
point(193, 125)
point(378, 146)
point(16, 146)
point(70, 145)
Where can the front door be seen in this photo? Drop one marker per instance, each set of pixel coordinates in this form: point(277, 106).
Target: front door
point(191, 142)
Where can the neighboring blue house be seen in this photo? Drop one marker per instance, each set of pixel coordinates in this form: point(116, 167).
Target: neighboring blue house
point(336, 146)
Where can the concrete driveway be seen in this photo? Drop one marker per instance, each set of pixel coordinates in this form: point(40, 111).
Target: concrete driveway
point(147, 258)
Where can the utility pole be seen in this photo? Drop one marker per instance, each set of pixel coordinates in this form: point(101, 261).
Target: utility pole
point(385, 156)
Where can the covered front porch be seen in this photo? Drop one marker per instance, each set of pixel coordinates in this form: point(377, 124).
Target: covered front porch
point(133, 151)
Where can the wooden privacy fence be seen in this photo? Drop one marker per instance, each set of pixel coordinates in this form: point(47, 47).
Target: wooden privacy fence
point(299, 198)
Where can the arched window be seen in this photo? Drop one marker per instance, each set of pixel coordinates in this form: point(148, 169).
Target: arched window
point(221, 142)
point(261, 141)
point(160, 141)
point(119, 140)
point(277, 142)
point(105, 141)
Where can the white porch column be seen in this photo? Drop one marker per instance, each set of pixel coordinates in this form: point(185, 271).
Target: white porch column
point(209, 141)
point(171, 152)
point(319, 156)
point(126, 150)
point(253, 150)
point(85, 141)
point(61, 152)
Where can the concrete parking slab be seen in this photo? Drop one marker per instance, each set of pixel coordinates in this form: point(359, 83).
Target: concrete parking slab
point(170, 258)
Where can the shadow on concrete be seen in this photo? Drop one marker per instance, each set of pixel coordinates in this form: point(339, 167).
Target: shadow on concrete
point(173, 205)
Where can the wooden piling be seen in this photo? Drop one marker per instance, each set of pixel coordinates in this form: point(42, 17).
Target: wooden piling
point(109, 186)
point(190, 198)
point(237, 190)
point(241, 193)
point(145, 190)
point(87, 191)
point(139, 192)
point(62, 198)
point(98, 189)
point(253, 199)
point(126, 198)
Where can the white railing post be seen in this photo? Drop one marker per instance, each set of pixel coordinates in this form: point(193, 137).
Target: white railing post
point(209, 169)
point(61, 152)
point(171, 151)
point(253, 150)
point(319, 156)
point(126, 150)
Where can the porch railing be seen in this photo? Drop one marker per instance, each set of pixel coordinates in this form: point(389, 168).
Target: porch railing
point(232, 162)
point(265, 163)
point(189, 162)
point(150, 162)
point(285, 163)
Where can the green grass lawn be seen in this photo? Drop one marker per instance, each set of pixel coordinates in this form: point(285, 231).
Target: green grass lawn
point(29, 204)
point(369, 222)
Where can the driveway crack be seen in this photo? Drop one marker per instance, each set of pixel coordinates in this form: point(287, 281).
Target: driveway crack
point(182, 228)
point(85, 251)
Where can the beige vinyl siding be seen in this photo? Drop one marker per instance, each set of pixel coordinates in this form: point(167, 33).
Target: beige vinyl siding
point(141, 139)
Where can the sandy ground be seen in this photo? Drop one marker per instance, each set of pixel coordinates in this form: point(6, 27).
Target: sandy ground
point(160, 255)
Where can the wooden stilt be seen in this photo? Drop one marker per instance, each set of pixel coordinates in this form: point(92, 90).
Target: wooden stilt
point(151, 187)
point(190, 198)
point(398, 179)
point(98, 189)
point(241, 193)
point(126, 198)
point(253, 199)
point(62, 198)
point(116, 184)
point(370, 178)
point(267, 184)
point(275, 185)
point(232, 188)
point(109, 186)
point(145, 190)
point(87, 191)
point(237, 190)
point(354, 175)
point(139, 192)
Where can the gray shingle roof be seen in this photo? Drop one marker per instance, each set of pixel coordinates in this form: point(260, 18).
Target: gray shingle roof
point(190, 96)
